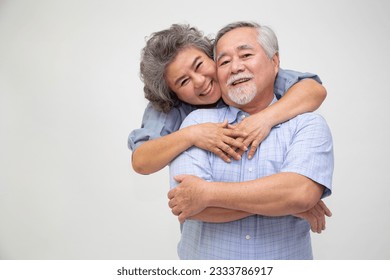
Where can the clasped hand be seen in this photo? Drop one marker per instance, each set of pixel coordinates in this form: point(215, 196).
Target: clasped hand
point(231, 141)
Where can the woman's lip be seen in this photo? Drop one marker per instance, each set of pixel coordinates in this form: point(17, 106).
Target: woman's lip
point(208, 89)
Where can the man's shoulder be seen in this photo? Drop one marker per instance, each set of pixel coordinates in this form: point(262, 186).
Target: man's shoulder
point(312, 120)
point(204, 115)
point(311, 116)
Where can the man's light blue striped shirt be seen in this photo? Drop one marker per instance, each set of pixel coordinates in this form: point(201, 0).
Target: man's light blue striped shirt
point(302, 145)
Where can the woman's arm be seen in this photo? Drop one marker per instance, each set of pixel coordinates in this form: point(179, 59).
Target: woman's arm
point(155, 154)
point(304, 96)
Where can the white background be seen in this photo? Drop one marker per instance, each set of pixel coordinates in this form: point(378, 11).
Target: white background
point(70, 94)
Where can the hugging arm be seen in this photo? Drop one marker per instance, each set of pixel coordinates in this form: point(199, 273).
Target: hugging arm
point(155, 154)
point(159, 140)
point(304, 96)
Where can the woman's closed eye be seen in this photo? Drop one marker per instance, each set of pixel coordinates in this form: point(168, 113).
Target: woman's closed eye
point(198, 65)
point(184, 82)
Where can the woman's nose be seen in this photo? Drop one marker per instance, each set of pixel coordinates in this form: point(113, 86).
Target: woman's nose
point(198, 80)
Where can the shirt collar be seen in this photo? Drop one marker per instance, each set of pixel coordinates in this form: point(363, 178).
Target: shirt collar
point(235, 115)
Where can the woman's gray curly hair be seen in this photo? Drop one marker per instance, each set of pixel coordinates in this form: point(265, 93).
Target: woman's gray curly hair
point(160, 50)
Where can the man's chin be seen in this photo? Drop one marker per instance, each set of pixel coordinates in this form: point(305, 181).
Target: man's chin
point(241, 99)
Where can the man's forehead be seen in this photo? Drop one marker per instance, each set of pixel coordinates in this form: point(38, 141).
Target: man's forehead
point(244, 46)
point(243, 38)
point(240, 36)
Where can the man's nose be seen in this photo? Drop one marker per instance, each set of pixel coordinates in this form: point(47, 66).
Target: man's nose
point(237, 65)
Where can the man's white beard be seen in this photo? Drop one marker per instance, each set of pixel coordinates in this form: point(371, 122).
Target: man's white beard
point(242, 95)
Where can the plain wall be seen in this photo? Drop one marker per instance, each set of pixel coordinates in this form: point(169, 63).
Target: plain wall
point(70, 94)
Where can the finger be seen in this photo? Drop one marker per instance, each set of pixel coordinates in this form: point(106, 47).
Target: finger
point(313, 223)
point(240, 152)
point(171, 203)
point(222, 155)
point(238, 143)
point(320, 216)
point(232, 126)
point(322, 220)
point(224, 124)
point(234, 133)
point(308, 217)
point(234, 143)
point(229, 151)
point(182, 218)
point(325, 208)
point(317, 211)
point(254, 146)
point(171, 193)
point(179, 178)
point(252, 151)
point(175, 211)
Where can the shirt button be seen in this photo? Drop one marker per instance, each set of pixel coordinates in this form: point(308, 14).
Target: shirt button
point(242, 116)
point(250, 169)
point(247, 237)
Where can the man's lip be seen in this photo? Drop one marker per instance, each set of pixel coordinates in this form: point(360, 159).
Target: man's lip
point(240, 81)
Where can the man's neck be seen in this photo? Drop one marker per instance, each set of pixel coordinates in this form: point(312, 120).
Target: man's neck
point(257, 104)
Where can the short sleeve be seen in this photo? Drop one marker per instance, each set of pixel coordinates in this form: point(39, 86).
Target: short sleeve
point(311, 151)
point(193, 161)
point(155, 124)
point(287, 78)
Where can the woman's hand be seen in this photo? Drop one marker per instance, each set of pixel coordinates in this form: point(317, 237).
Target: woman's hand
point(219, 139)
point(256, 127)
point(316, 216)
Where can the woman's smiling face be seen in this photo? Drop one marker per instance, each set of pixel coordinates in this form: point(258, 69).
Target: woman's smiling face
point(192, 75)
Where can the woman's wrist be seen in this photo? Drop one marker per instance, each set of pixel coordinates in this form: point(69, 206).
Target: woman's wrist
point(189, 135)
point(267, 117)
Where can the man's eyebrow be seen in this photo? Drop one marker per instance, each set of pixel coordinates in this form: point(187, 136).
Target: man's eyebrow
point(241, 47)
point(193, 65)
point(222, 54)
point(245, 47)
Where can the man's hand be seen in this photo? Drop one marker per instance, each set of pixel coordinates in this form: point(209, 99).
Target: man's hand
point(189, 197)
point(316, 216)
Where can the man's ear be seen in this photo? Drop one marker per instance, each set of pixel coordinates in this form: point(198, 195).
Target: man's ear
point(276, 62)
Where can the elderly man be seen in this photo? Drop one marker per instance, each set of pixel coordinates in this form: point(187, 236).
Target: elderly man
point(244, 209)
